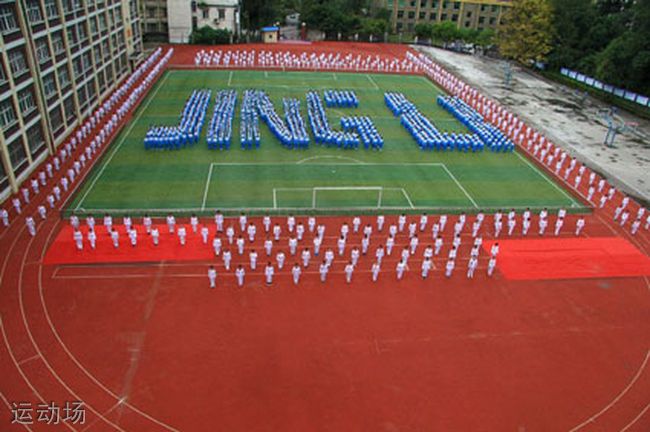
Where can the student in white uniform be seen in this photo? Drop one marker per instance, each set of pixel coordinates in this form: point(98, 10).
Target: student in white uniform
point(300, 231)
point(239, 274)
point(449, 268)
point(376, 267)
point(400, 268)
point(635, 226)
point(41, 211)
point(471, 267)
point(317, 244)
point(558, 225)
point(392, 230)
point(324, 268)
point(379, 254)
point(204, 234)
point(295, 272)
point(212, 276)
point(133, 236)
point(276, 232)
point(240, 245)
point(291, 223)
point(227, 258)
point(78, 238)
point(268, 246)
point(269, 271)
point(251, 230)
point(146, 221)
point(194, 222)
point(401, 221)
point(390, 243)
point(182, 235)
point(356, 223)
point(414, 244)
point(511, 225)
point(424, 219)
point(438, 245)
point(171, 223)
point(380, 222)
point(365, 244)
point(491, 265)
point(280, 257)
point(115, 237)
point(266, 221)
point(293, 245)
point(426, 267)
point(311, 224)
point(155, 235)
point(92, 238)
point(242, 222)
point(354, 255)
point(341, 245)
point(252, 256)
point(306, 256)
point(230, 234)
point(543, 223)
point(349, 269)
point(412, 229)
point(218, 220)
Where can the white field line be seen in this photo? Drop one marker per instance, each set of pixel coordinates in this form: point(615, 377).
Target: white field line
point(334, 75)
point(374, 84)
point(117, 147)
point(275, 199)
point(527, 162)
point(406, 195)
point(617, 398)
point(460, 186)
point(230, 79)
point(207, 187)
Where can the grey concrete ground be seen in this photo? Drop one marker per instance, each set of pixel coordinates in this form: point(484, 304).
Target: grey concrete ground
point(568, 119)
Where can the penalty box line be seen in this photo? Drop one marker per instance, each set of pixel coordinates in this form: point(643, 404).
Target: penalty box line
point(275, 200)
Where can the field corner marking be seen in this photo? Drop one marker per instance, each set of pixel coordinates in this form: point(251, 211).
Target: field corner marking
point(549, 181)
point(374, 84)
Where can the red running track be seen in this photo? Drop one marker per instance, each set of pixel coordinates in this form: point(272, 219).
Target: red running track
point(148, 347)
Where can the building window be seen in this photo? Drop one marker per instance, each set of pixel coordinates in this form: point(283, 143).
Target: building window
point(42, 50)
point(411, 15)
point(151, 12)
point(3, 77)
point(26, 101)
point(69, 109)
point(72, 36)
point(205, 13)
point(83, 34)
point(454, 17)
point(222, 14)
point(457, 5)
point(17, 154)
point(64, 77)
point(17, 62)
point(443, 17)
point(400, 14)
point(494, 8)
point(35, 140)
point(7, 114)
point(423, 15)
point(57, 43)
point(102, 23)
point(50, 9)
point(49, 85)
point(56, 119)
point(7, 19)
point(432, 15)
point(34, 12)
point(93, 26)
point(481, 20)
point(493, 21)
point(468, 23)
point(469, 14)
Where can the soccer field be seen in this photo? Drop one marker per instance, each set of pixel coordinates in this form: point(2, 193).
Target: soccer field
point(273, 178)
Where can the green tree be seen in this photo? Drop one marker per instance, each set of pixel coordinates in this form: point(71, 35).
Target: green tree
point(206, 35)
point(424, 30)
point(445, 31)
point(573, 21)
point(526, 34)
point(376, 27)
point(485, 38)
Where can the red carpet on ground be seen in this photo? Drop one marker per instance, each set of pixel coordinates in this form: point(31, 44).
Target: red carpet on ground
point(64, 251)
point(569, 258)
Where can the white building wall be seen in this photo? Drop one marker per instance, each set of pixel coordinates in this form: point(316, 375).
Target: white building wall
point(179, 17)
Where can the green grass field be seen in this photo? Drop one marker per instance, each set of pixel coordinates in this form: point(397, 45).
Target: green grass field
point(320, 179)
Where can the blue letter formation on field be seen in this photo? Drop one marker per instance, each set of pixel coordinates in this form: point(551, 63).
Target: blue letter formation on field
point(291, 129)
